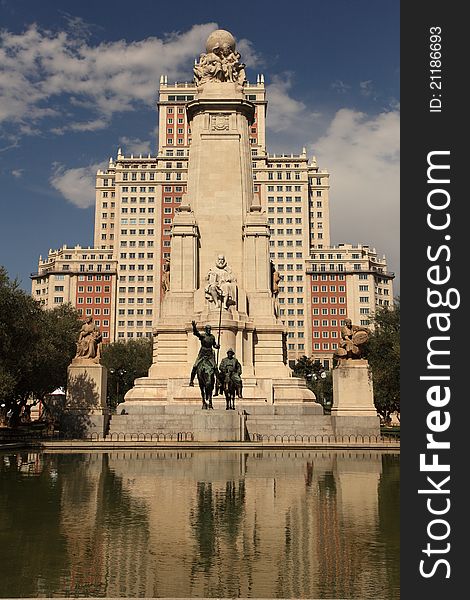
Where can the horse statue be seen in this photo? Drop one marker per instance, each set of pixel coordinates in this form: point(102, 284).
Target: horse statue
point(206, 377)
point(229, 386)
point(205, 366)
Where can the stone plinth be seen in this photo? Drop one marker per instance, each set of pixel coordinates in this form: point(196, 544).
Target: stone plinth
point(85, 402)
point(353, 411)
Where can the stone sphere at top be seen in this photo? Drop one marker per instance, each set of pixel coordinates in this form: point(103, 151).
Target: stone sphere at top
point(218, 38)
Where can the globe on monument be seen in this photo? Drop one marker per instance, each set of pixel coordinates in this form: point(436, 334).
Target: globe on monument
point(218, 38)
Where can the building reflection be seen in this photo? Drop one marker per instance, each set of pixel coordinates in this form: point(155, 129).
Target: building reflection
point(227, 524)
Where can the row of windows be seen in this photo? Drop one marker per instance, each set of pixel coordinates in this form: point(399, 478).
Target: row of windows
point(292, 311)
point(92, 267)
point(325, 334)
point(324, 288)
point(131, 278)
point(134, 244)
point(137, 324)
point(291, 300)
point(329, 311)
point(326, 277)
point(138, 311)
point(299, 346)
point(299, 334)
point(280, 221)
point(143, 176)
point(134, 231)
point(142, 200)
point(289, 267)
point(140, 289)
point(130, 334)
point(284, 175)
point(132, 267)
point(325, 346)
point(133, 255)
point(133, 211)
point(287, 254)
point(132, 301)
point(140, 221)
point(326, 300)
point(94, 277)
point(327, 323)
point(96, 300)
point(288, 209)
point(287, 188)
point(90, 288)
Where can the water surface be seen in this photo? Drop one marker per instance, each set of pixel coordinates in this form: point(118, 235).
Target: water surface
point(181, 524)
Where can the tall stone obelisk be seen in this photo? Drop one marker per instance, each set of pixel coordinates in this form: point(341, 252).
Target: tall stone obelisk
point(220, 244)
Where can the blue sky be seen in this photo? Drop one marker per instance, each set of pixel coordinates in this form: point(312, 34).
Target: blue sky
point(79, 79)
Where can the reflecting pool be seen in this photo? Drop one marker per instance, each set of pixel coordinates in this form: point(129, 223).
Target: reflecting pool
point(182, 524)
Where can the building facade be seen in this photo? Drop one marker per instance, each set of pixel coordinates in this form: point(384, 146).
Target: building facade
point(137, 198)
point(83, 277)
point(345, 281)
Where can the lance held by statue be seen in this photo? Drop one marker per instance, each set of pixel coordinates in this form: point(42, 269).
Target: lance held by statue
point(205, 366)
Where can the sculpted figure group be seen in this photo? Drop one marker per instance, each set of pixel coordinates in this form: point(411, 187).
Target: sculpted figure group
point(353, 338)
point(221, 288)
point(226, 378)
point(220, 63)
point(89, 341)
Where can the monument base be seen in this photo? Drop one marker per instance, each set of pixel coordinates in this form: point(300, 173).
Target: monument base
point(84, 411)
point(249, 421)
point(353, 411)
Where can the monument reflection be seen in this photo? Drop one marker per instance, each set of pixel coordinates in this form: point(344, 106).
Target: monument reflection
point(281, 524)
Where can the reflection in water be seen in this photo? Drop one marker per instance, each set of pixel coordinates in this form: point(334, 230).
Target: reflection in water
point(200, 524)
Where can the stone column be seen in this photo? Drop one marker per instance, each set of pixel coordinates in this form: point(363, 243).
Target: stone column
point(353, 411)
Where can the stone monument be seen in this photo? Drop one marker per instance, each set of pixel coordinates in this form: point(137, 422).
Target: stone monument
point(353, 411)
point(220, 265)
point(85, 401)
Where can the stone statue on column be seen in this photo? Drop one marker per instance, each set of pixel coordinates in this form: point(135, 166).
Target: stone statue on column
point(89, 342)
point(221, 288)
point(353, 338)
point(221, 62)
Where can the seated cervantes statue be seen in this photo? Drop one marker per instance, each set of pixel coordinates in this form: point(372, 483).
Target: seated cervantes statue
point(221, 61)
point(221, 288)
point(353, 338)
point(89, 342)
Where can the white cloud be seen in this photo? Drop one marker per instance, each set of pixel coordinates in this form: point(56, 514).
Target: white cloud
point(285, 113)
point(76, 185)
point(17, 173)
point(134, 145)
point(362, 154)
point(47, 75)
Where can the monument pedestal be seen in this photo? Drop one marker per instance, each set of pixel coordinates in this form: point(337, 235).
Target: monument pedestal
point(353, 411)
point(85, 402)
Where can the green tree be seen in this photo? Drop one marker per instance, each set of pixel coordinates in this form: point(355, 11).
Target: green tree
point(318, 379)
point(125, 362)
point(383, 353)
point(36, 346)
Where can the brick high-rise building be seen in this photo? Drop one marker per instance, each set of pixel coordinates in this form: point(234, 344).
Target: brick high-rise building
point(137, 197)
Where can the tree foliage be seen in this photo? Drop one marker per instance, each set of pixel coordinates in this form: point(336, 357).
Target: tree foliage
point(36, 345)
point(126, 361)
point(383, 354)
point(318, 380)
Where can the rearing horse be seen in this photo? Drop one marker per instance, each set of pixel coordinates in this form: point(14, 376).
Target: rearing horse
point(206, 379)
